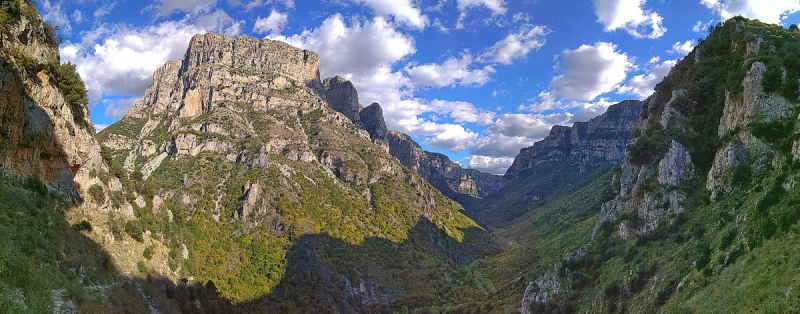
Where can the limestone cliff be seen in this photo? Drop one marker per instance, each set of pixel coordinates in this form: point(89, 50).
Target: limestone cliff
point(602, 138)
point(41, 134)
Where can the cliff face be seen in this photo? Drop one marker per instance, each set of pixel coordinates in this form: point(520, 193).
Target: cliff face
point(600, 139)
point(41, 134)
point(444, 174)
point(242, 137)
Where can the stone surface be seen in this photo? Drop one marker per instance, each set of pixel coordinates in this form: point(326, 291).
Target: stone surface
point(447, 176)
point(343, 97)
point(40, 134)
point(603, 138)
point(372, 119)
point(676, 167)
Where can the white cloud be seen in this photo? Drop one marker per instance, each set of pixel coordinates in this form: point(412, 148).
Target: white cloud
point(99, 126)
point(768, 11)
point(403, 11)
point(517, 45)
point(260, 3)
point(587, 111)
point(356, 51)
point(682, 48)
point(643, 85)
point(590, 71)
point(220, 21)
point(461, 111)
point(274, 23)
point(493, 165)
point(121, 61)
point(498, 145)
point(452, 137)
point(532, 126)
point(188, 6)
point(497, 6)
point(454, 71)
point(54, 15)
point(629, 16)
point(522, 17)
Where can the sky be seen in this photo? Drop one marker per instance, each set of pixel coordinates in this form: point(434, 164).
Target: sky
point(473, 79)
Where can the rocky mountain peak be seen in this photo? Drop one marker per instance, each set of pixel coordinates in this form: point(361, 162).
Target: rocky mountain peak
point(372, 118)
point(343, 97)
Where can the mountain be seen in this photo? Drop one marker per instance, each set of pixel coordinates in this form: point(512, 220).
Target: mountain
point(242, 139)
point(702, 216)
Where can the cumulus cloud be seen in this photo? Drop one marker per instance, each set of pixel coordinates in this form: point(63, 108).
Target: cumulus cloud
point(121, 61)
point(452, 137)
point(533, 126)
point(590, 71)
point(630, 16)
point(517, 45)
point(643, 85)
point(493, 165)
point(356, 50)
point(587, 111)
point(496, 6)
point(773, 11)
point(274, 23)
point(403, 11)
point(461, 111)
point(454, 71)
point(499, 145)
point(682, 48)
point(189, 6)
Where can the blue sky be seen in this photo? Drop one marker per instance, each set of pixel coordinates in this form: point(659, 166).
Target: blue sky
point(474, 79)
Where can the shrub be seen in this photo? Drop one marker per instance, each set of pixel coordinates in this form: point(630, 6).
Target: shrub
point(83, 226)
point(135, 229)
point(96, 192)
point(148, 252)
point(142, 267)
